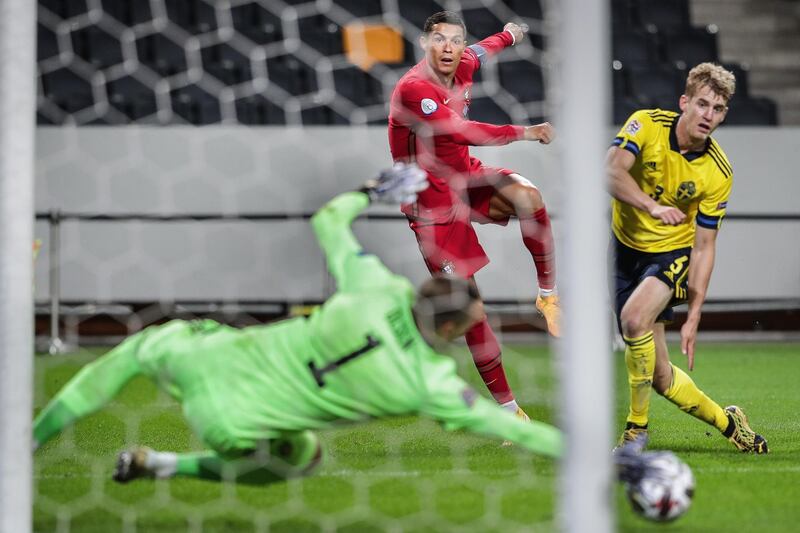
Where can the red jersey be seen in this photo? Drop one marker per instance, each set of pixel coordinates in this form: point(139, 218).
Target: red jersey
point(428, 124)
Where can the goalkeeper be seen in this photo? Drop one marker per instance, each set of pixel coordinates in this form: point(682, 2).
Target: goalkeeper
point(254, 395)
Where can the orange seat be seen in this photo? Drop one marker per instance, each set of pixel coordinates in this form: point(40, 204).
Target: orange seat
point(367, 44)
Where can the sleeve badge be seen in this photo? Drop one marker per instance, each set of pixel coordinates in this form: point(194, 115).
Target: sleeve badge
point(632, 127)
point(429, 106)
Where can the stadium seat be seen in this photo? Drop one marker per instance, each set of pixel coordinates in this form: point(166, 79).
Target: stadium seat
point(526, 8)
point(46, 43)
point(65, 9)
point(742, 79)
point(96, 47)
point(620, 85)
point(322, 34)
point(194, 16)
point(361, 8)
point(257, 23)
point(418, 11)
point(752, 112)
point(624, 106)
point(666, 15)
point(358, 86)
point(44, 120)
point(161, 55)
point(292, 75)
point(481, 23)
point(322, 115)
point(485, 109)
point(523, 79)
point(226, 64)
point(132, 98)
point(689, 47)
point(367, 44)
point(127, 12)
point(622, 19)
point(67, 90)
point(635, 48)
point(195, 106)
point(659, 85)
point(257, 110)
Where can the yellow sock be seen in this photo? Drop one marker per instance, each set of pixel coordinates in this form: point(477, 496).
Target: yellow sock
point(640, 358)
point(684, 393)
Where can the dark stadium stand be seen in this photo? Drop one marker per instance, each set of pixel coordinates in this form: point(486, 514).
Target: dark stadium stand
point(127, 12)
point(161, 55)
point(68, 91)
point(225, 63)
point(322, 34)
point(194, 16)
point(665, 15)
point(132, 98)
point(194, 105)
point(254, 110)
point(653, 45)
point(96, 47)
point(47, 43)
point(523, 80)
point(257, 23)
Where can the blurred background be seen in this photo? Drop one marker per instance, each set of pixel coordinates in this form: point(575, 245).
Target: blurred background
point(183, 144)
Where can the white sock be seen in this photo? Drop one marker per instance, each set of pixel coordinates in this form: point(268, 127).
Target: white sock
point(162, 464)
point(511, 406)
point(547, 292)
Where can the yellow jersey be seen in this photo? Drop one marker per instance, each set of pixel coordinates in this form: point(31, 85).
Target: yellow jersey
point(697, 183)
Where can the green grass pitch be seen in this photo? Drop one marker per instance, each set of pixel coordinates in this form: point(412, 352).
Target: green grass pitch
point(408, 475)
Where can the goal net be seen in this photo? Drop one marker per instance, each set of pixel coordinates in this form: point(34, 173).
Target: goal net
point(182, 146)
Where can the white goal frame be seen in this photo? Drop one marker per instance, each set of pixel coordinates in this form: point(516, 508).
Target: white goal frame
point(17, 130)
point(582, 114)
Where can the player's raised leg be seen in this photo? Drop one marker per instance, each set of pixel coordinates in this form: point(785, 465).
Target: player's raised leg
point(516, 196)
point(289, 456)
point(89, 390)
point(676, 386)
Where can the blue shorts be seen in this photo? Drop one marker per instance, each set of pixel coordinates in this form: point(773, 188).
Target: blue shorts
point(631, 267)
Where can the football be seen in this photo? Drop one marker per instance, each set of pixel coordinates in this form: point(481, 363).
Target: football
point(665, 490)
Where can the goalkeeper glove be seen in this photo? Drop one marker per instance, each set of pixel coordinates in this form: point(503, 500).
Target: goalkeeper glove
point(397, 185)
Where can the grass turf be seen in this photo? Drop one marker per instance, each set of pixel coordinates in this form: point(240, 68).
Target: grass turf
point(407, 474)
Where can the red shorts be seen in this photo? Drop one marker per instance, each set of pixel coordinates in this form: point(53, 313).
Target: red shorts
point(449, 244)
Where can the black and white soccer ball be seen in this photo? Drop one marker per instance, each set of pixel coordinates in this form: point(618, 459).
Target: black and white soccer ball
point(665, 490)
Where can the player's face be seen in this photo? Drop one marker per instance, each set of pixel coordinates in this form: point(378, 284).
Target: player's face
point(443, 47)
point(703, 112)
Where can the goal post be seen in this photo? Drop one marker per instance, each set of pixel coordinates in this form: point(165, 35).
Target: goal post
point(17, 118)
point(582, 116)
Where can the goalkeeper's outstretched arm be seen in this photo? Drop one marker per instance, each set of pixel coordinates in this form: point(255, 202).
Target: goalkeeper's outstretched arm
point(346, 261)
point(457, 406)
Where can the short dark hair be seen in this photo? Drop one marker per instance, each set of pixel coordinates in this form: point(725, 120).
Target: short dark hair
point(445, 298)
point(444, 17)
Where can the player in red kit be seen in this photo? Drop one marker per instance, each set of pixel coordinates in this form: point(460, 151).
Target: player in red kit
point(428, 124)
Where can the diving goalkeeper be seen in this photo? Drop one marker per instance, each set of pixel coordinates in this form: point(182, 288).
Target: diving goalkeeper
point(255, 395)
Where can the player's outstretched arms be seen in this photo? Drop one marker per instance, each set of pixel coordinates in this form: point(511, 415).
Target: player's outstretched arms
point(331, 224)
point(624, 188)
point(544, 133)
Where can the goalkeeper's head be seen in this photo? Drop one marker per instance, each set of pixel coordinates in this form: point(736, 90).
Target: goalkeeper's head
point(446, 307)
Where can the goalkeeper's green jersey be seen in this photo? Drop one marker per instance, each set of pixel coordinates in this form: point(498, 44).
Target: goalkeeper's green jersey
point(358, 356)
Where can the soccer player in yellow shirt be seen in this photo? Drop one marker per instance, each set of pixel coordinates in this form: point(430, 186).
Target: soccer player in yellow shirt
point(670, 183)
